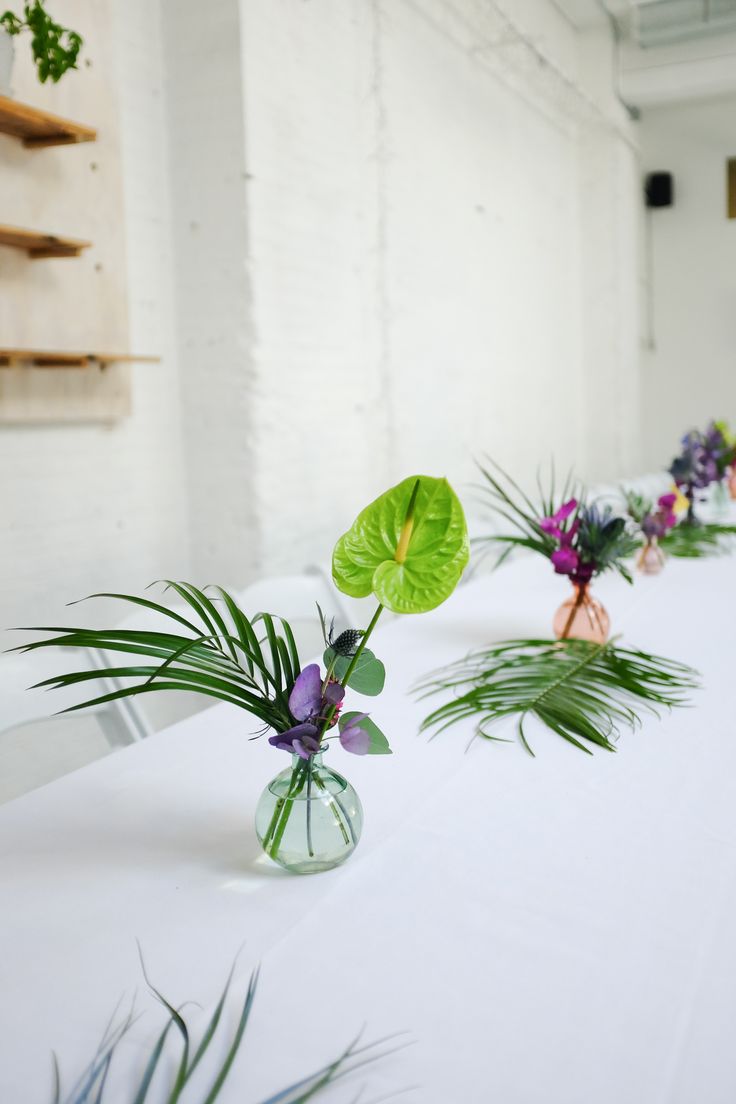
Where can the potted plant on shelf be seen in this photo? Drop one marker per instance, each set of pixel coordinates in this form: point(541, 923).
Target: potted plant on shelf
point(408, 549)
point(55, 48)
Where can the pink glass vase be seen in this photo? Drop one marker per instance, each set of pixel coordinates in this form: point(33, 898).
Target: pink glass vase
point(651, 559)
point(582, 617)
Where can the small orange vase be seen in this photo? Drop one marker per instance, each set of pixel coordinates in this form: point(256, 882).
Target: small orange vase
point(732, 483)
point(651, 559)
point(582, 617)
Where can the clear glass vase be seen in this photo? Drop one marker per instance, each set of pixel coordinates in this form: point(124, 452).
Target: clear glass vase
point(651, 559)
point(309, 818)
point(732, 482)
point(582, 617)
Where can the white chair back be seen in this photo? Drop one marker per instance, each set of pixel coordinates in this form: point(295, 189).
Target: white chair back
point(21, 705)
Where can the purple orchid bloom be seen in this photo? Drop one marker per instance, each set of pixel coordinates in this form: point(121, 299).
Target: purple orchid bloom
point(553, 525)
point(566, 560)
point(309, 703)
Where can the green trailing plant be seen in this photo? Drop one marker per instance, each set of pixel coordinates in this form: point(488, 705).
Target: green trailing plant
point(160, 1083)
point(585, 692)
point(55, 48)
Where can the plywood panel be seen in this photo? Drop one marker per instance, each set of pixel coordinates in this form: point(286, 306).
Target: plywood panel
point(77, 188)
point(57, 395)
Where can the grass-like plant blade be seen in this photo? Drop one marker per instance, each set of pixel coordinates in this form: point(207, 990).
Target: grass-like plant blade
point(178, 1020)
point(584, 692)
point(230, 1057)
point(94, 1077)
point(152, 1065)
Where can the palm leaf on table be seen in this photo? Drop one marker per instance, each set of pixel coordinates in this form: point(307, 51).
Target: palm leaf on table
point(695, 541)
point(90, 1087)
point(584, 692)
point(215, 649)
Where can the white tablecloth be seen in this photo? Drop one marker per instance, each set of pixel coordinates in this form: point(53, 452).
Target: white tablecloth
point(557, 929)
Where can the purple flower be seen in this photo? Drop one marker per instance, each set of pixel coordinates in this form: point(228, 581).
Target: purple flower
point(309, 703)
point(354, 738)
point(553, 525)
point(566, 560)
point(302, 739)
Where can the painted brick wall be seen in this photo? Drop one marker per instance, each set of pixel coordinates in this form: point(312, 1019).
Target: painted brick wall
point(87, 507)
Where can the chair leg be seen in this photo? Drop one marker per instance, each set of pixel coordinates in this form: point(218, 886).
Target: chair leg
point(117, 731)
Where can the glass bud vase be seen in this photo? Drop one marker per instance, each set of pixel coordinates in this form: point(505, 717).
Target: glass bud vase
point(582, 617)
point(309, 818)
point(651, 559)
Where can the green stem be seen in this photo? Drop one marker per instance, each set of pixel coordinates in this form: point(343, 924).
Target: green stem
point(351, 667)
point(282, 812)
point(310, 849)
point(335, 801)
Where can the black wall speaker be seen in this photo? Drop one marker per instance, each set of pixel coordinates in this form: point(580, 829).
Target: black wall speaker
point(659, 189)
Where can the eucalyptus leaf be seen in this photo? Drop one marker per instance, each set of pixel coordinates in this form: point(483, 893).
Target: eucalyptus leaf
point(419, 574)
point(378, 743)
point(368, 675)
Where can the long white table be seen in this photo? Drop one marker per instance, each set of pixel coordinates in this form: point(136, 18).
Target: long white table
point(557, 929)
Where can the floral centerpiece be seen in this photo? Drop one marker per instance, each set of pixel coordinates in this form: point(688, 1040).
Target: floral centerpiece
point(408, 549)
point(581, 540)
point(703, 460)
point(729, 458)
point(654, 522)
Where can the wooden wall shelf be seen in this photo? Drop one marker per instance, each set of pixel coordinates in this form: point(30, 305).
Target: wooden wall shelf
point(38, 245)
point(40, 358)
point(37, 128)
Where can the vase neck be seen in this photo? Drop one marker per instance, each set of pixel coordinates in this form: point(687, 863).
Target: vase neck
point(313, 761)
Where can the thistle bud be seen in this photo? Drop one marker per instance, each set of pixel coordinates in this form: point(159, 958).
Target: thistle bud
point(347, 642)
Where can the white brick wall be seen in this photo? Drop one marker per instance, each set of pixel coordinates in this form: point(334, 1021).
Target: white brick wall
point(360, 233)
point(89, 507)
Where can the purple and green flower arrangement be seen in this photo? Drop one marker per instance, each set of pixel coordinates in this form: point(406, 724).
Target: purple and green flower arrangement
point(654, 521)
point(581, 540)
point(408, 549)
point(589, 539)
point(704, 459)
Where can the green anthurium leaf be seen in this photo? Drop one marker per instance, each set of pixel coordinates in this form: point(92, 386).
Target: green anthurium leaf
point(368, 676)
point(378, 742)
point(408, 548)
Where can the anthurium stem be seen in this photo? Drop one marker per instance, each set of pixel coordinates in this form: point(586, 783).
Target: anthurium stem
point(351, 667)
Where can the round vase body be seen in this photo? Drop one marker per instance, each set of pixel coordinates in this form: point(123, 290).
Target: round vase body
point(581, 617)
point(309, 818)
point(651, 559)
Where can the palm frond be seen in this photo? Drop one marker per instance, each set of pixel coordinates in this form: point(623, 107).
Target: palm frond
point(90, 1087)
point(217, 651)
point(584, 692)
point(695, 541)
